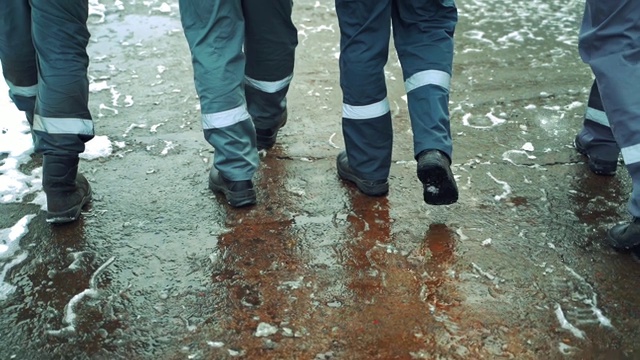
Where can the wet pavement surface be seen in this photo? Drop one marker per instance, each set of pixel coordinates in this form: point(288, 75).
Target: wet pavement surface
point(160, 268)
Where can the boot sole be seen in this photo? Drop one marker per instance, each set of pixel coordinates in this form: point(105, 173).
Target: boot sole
point(439, 186)
point(598, 167)
point(70, 215)
point(235, 198)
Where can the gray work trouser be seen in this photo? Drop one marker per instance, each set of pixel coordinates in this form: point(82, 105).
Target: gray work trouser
point(44, 62)
point(610, 43)
point(243, 56)
point(423, 37)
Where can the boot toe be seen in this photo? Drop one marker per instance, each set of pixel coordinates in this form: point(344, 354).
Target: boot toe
point(624, 236)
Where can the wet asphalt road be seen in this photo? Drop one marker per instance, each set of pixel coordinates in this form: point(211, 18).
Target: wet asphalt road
point(518, 268)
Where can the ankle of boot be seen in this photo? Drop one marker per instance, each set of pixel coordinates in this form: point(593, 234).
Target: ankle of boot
point(59, 173)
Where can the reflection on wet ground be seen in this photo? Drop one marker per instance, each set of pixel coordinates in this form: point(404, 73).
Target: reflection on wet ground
point(370, 300)
point(596, 197)
point(59, 298)
point(396, 296)
point(159, 268)
point(260, 265)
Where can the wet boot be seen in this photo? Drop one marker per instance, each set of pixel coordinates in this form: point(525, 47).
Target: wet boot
point(266, 138)
point(237, 193)
point(602, 158)
point(67, 190)
point(367, 187)
point(625, 236)
point(438, 184)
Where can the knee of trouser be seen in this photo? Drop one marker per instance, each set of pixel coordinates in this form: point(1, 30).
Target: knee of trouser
point(16, 53)
point(23, 103)
point(363, 90)
point(20, 70)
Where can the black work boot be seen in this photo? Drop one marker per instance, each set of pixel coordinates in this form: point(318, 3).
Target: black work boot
point(266, 138)
point(434, 171)
point(367, 187)
point(602, 160)
point(625, 236)
point(67, 190)
point(238, 193)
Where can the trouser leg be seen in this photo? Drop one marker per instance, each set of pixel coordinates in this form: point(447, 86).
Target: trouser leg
point(615, 61)
point(596, 134)
point(270, 42)
point(215, 33)
point(44, 59)
point(423, 35)
point(62, 121)
point(365, 28)
point(595, 109)
point(18, 56)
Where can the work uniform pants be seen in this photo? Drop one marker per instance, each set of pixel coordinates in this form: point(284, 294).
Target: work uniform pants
point(238, 92)
point(423, 37)
point(596, 134)
point(44, 62)
point(610, 43)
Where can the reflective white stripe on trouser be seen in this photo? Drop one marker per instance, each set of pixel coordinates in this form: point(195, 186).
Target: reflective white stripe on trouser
point(268, 86)
point(71, 126)
point(366, 111)
point(225, 118)
point(631, 154)
point(428, 77)
point(26, 91)
point(598, 116)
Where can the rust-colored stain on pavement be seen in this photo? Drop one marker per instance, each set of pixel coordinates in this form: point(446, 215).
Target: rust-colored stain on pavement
point(386, 305)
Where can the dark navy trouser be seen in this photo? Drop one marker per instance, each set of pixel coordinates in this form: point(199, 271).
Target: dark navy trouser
point(243, 57)
point(610, 43)
point(44, 62)
point(423, 36)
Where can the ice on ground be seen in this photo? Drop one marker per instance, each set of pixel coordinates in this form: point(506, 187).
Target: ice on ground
point(99, 146)
point(10, 252)
point(265, 329)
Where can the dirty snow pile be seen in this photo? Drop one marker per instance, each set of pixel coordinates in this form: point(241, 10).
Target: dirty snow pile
point(16, 147)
